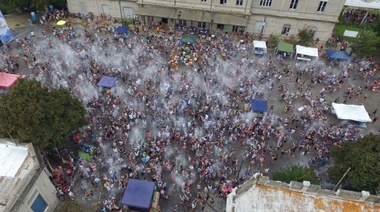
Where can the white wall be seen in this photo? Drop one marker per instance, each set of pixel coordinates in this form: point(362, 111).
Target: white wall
point(46, 189)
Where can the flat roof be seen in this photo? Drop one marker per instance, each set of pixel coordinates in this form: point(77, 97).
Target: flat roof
point(17, 164)
point(11, 158)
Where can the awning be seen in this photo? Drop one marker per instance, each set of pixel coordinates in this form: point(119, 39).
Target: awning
point(156, 12)
point(285, 47)
point(195, 15)
point(220, 18)
point(308, 51)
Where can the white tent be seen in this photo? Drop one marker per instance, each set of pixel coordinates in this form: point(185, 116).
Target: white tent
point(259, 47)
point(350, 33)
point(367, 4)
point(302, 51)
point(351, 112)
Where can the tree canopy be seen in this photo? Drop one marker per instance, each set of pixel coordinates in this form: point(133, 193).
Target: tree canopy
point(367, 44)
point(305, 36)
point(363, 156)
point(32, 113)
point(295, 173)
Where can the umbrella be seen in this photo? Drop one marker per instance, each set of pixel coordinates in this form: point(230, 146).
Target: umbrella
point(61, 22)
point(189, 39)
point(122, 29)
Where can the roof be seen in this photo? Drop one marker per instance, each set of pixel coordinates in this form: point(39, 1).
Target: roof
point(7, 80)
point(369, 4)
point(285, 47)
point(17, 166)
point(351, 112)
point(12, 157)
point(335, 54)
point(308, 51)
point(138, 194)
point(263, 195)
point(107, 82)
point(259, 105)
point(259, 44)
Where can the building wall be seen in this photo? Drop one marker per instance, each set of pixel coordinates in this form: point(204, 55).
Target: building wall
point(46, 189)
point(250, 13)
point(97, 7)
point(304, 15)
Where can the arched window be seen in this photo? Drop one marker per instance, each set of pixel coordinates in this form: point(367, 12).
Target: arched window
point(285, 29)
point(312, 31)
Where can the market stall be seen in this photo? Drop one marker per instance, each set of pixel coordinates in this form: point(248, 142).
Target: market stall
point(284, 49)
point(259, 47)
point(304, 53)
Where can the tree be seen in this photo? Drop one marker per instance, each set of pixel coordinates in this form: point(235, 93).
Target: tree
point(71, 206)
point(366, 44)
point(32, 113)
point(363, 158)
point(295, 173)
point(305, 36)
point(376, 28)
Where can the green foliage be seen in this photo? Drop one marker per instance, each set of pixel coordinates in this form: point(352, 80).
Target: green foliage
point(305, 37)
point(295, 173)
point(273, 41)
point(32, 113)
point(126, 22)
point(376, 28)
point(71, 206)
point(366, 44)
point(363, 158)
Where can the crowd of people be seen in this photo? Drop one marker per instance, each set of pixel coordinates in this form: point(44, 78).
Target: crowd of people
point(188, 128)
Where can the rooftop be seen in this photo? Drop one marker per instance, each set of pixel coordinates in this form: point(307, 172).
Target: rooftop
point(17, 166)
point(264, 195)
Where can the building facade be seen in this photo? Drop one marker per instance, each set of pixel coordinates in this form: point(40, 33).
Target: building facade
point(286, 17)
point(24, 181)
point(265, 17)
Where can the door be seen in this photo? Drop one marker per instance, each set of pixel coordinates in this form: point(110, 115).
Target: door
point(106, 9)
point(259, 26)
point(128, 13)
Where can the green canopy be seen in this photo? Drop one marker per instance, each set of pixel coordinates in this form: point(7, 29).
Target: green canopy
point(285, 47)
point(84, 155)
point(189, 39)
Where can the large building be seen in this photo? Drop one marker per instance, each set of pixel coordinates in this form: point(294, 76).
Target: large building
point(24, 181)
point(264, 17)
point(260, 194)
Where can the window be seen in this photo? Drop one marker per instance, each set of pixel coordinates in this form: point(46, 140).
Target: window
point(293, 4)
point(223, 1)
point(312, 31)
point(39, 204)
point(239, 2)
point(203, 0)
point(182, 22)
point(285, 29)
point(266, 3)
point(202, 25)
point(220, 26)
point(322, 6)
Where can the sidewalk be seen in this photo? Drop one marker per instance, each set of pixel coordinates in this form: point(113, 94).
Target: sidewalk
point(17, 20)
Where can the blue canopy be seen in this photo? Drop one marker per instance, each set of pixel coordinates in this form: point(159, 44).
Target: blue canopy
point(122, 29)
point(339, 55)
point(107, 82)
point(138, 194)
point(259, 105)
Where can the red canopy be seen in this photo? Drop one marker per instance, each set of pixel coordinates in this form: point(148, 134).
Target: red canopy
point(8, 80)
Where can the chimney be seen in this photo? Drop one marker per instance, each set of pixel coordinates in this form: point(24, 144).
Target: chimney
point(365, 195)
point(306, 185)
